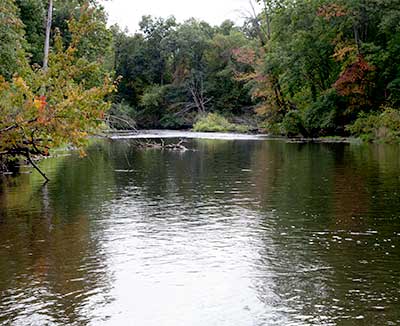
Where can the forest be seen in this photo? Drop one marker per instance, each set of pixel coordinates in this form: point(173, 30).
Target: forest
point(311, 68)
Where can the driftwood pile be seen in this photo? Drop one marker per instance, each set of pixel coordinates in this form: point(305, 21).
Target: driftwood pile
point(161, 145)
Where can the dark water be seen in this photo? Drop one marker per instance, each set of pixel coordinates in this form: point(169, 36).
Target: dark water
point(237, 232)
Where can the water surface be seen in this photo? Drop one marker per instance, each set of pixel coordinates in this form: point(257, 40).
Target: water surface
point(230, 232)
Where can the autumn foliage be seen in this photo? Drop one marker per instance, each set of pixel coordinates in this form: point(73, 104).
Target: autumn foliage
point(355, 78)
point(331, 10)
point(43, 109)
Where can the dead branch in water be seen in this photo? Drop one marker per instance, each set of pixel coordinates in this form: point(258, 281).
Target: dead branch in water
point(112, 119)
point(28, 156)
point(161, 145)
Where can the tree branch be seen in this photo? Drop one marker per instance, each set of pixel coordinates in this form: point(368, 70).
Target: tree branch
point(16, 125)
point(28, 156)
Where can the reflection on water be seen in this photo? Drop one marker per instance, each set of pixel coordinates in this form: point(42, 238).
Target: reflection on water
point(237, 232)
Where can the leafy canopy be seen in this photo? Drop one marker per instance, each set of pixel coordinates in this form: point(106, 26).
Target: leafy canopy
point(42, 109)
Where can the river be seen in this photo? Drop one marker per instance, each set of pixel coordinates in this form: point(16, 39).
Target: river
point(237, 230)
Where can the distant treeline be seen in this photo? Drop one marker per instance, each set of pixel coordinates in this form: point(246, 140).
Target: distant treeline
point(310, 68)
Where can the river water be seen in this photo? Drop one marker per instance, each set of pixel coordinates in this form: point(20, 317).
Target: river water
point(231, 232)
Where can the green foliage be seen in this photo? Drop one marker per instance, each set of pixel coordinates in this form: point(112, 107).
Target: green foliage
point(153, 97)
point(214, 122)
point(365, 126)
point(272, 128)
point(173, 121)
point(320, 119)
point(122, 116)
point(12, 49)
point(384, 126)
point(229, 94)
point(32, 14)
point(292, 124)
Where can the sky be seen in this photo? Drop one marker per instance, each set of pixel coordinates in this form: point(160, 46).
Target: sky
point(128, 13)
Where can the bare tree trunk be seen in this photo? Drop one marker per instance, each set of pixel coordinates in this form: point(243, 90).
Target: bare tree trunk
point(357, 38)
point(47, 40)
point(267, 20)
point(197, 90)
point(257, 25)
point(196, 100)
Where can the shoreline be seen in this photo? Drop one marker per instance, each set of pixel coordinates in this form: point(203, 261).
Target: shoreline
point(189, 134)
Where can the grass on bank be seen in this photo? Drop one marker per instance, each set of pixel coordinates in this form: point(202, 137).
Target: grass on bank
point(214, 122)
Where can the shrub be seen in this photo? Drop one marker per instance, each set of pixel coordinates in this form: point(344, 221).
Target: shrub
point(122, 116)
point(172, 121)
point(216, 123)
point(153, 98)
point(384, 125)
point(320, 118)
point(292, 124)
point(272, 128)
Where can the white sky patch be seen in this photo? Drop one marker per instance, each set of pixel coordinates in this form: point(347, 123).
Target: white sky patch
point(128, 13)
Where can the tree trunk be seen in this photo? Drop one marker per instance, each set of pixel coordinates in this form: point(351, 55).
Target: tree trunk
point(47, 39)
point(357, 39)
point(267, 20)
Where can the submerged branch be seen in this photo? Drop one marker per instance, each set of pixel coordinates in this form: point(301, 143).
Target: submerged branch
point(28, 156)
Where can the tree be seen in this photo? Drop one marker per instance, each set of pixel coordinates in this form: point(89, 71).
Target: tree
point(32, 14)
point(228, 94)
point(71, 107)
point(155, 31)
